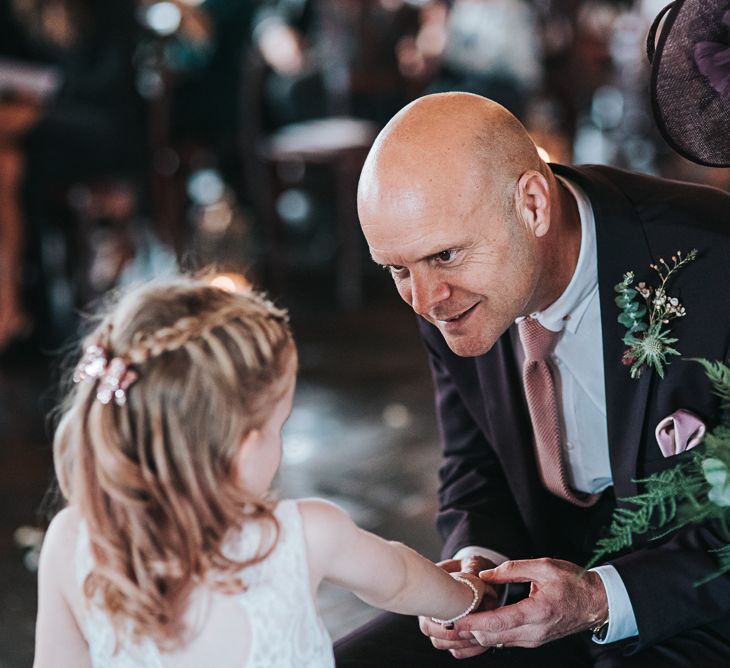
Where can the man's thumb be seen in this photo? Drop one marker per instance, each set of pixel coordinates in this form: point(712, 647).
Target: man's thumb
point(509, 571)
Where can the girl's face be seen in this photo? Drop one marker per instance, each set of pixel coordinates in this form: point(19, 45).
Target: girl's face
point(260, 455)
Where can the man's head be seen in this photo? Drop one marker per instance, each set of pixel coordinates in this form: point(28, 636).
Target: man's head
point(455, 201)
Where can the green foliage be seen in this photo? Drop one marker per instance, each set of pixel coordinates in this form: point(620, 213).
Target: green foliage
point(717, 442)
point(723, 557)
point(651, 350)
point(719, 375)
point(693, 492)
point(632, 310)
point(654, 508)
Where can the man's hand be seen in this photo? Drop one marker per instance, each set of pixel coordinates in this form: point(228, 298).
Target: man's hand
point(443, 638)
point(564, 599)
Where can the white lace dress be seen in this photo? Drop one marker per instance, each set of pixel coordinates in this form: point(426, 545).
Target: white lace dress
point(283, 626)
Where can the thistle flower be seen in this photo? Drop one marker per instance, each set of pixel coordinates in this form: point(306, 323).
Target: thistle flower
point(651, 350)
point(649, 343)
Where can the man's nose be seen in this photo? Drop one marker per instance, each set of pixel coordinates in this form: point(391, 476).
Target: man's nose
point(427, 291)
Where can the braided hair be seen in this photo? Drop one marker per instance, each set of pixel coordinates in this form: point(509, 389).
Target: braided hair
point(154, 478)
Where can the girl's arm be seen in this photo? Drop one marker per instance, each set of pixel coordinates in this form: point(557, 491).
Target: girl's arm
point(58, 639)
point(384, 574)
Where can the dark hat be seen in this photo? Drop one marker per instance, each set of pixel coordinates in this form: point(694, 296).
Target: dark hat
point(690, 79)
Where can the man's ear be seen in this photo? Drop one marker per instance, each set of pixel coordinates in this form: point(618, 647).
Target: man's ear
point(532, 202)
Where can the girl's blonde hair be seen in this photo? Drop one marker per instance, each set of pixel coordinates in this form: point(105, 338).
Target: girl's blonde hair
point(155, 479)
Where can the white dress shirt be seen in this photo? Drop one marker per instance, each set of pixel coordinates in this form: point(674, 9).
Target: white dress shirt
point(578, 372)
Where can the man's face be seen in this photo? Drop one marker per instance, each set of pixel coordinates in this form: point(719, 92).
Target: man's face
point(460, 259)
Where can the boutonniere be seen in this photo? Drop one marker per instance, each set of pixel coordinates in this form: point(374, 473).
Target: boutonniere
point(646, 312)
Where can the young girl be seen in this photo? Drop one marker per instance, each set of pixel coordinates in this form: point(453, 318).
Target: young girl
point(170, 552)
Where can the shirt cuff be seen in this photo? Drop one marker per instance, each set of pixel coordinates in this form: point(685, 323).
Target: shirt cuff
point(495, 557)
point(622, 621)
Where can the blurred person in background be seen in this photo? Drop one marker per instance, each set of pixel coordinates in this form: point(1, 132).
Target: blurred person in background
point(16, 116)
point(20, 107)
point(293, 88)
point(333, 57)
point(206, 65)
point(92, 127)
point(487, 47)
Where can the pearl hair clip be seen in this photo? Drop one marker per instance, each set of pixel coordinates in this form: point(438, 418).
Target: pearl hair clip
point(114, 375)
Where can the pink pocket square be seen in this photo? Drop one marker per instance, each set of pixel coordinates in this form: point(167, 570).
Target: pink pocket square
point(678, 432)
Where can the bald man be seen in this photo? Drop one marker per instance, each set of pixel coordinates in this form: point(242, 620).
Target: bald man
point(478, 234)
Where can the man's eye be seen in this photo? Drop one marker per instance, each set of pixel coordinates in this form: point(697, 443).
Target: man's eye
point(395, 269)
point(445, 255)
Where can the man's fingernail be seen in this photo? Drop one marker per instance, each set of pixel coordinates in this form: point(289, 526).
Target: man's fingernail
point(465, 635)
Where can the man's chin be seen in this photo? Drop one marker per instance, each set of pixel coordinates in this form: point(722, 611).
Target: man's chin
point(466, 346)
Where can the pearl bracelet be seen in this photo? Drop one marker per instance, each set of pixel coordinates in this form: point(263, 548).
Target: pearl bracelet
point(472, 605)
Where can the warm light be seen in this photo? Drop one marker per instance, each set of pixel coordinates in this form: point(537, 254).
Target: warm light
point(231, 282)
point(544, 155)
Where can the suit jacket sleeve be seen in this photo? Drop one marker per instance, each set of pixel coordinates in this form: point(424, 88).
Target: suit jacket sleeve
point(663, 587)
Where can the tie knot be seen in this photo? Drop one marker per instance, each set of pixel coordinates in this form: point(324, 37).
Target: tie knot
point(537, 341)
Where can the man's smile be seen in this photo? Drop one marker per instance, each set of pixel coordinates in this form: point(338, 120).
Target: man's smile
point(456, 321)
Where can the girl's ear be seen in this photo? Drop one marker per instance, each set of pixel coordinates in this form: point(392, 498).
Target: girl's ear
point(244, 456)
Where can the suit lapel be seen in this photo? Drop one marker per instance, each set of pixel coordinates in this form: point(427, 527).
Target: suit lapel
point(621, 246)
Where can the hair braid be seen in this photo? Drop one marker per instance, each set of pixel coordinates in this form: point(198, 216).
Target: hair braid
point(146, 345)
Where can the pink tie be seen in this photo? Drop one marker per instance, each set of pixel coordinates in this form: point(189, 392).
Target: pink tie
point(538, 342)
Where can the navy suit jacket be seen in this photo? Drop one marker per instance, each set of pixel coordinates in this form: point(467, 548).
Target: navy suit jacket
point(490, 493)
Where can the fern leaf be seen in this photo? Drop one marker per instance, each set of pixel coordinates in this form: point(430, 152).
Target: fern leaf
point(719, 376)
point(723, 557)
point(658, 501)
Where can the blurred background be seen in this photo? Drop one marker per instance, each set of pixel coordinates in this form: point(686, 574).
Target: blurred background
point(139, 137)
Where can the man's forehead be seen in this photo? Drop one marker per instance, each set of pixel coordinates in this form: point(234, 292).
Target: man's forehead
point(422, 228)
point(412, 241)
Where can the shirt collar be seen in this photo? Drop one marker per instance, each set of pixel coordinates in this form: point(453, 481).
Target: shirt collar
point(568, 310)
